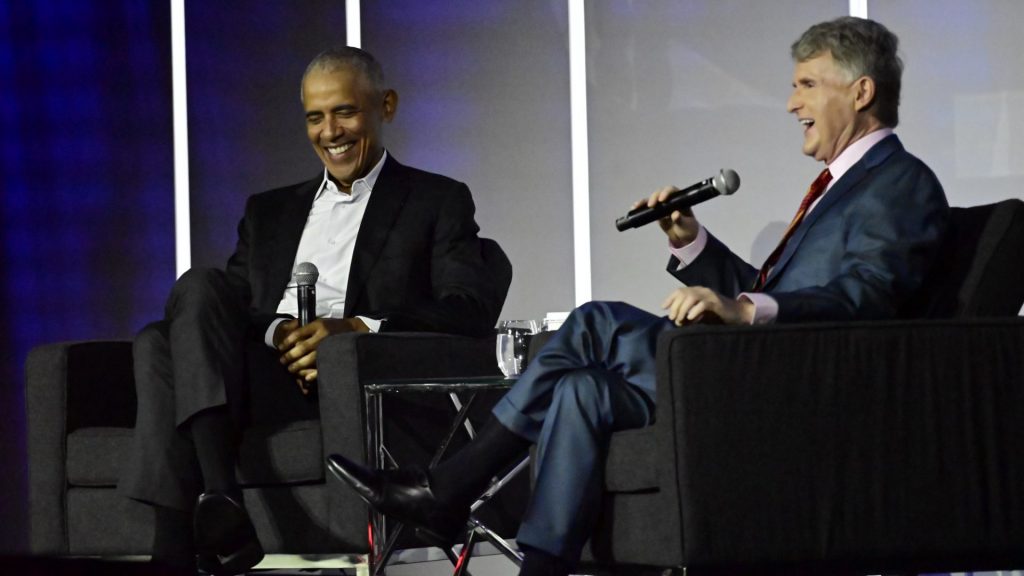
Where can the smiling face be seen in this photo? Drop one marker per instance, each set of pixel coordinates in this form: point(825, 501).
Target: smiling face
point(345, 115)
point(829, 105)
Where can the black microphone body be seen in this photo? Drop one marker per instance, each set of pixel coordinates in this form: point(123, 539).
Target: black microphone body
point(724, 183)
point(305, 276)
point(307, 304)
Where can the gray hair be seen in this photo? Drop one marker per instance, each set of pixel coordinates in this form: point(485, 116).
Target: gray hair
point(862, 48)
point(348, 57)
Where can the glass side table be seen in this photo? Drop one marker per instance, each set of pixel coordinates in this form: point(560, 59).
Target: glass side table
point(382, 541)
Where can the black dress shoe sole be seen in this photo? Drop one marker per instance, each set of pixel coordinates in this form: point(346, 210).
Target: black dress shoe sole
point(226, 540)
point(237, 562)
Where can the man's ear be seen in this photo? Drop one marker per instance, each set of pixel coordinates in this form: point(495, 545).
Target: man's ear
point(390, 104)
point(865, 93)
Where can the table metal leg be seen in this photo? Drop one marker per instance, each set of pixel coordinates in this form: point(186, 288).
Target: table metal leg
point(388, 549)
point(382, 540)
point(462, 562)
point(375, 455)
point(498, 541)
point(470, 431)
point(460, 418)
point(499, 484)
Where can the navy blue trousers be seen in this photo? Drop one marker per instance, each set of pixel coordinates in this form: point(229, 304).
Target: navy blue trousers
point(594, 377)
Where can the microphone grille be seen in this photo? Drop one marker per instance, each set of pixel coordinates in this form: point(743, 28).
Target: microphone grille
point(305, 274)
point(727, 181)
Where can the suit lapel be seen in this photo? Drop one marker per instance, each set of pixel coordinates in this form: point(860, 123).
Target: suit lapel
point(386, 201)
point(875, 156)
point(285, 241)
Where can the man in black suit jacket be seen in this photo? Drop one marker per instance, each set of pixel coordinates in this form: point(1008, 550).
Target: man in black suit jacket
point(397, 249)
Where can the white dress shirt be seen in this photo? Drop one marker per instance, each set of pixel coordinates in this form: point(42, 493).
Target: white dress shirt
point(328, 241)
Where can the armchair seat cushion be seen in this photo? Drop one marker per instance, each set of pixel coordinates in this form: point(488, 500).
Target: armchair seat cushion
point(95, 455)
point(284, 454)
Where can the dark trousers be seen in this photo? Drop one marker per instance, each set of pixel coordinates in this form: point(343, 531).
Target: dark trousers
point(200, 356)
point(594, 377)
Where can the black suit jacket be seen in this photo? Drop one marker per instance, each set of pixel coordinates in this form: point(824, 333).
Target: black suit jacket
point(417, 260)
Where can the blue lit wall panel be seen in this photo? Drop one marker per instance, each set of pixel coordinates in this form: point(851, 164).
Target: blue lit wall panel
point(86, 191)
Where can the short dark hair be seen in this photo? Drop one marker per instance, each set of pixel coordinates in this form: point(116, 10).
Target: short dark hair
point(348, 57)
point(863, 48)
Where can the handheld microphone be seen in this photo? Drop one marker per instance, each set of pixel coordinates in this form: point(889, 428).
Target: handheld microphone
point(724, 183)
point(305, 275)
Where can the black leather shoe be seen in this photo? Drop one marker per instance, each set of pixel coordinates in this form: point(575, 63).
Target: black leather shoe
point(403, 495)
point(226, 541)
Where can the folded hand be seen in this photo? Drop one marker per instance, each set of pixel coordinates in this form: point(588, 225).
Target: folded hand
point(693, 304)
point(298, 344)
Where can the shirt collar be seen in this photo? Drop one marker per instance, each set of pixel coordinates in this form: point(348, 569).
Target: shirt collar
point(854, 152)
point(360, 187)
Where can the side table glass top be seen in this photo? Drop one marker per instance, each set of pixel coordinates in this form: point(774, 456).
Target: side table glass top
point(473, 383)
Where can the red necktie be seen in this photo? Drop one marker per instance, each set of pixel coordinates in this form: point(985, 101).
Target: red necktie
point(813, 193)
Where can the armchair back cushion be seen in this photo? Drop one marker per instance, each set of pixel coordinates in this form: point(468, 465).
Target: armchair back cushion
point(977, 271)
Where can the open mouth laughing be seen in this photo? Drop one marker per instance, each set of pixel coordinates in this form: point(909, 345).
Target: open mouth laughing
point(336, 151)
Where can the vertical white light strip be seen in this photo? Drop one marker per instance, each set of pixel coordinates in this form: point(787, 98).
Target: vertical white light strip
point(353, 29)
point(859, 8)
point(580, 151)
point(182, 227)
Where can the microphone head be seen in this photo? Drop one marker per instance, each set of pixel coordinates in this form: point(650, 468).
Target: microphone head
point(726, 182)
point(305, 274)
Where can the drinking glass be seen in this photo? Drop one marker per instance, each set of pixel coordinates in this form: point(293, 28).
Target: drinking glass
point(512, 345)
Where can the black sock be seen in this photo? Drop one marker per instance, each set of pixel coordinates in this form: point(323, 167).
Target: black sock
point(213, 435)
point(539, 563)
point(462, 478)
point(172, 538)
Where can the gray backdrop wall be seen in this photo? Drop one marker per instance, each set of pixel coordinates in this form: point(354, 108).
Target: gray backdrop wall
point(676, 91)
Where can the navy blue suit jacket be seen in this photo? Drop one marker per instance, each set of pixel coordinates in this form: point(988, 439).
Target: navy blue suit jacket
point(858, 255)
point(417, 259)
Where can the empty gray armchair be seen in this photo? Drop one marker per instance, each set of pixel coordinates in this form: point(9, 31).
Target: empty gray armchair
point(80, 399)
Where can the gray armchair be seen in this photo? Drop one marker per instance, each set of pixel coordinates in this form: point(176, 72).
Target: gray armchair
point(862, 448)
point(841, 447)
point(80, 399)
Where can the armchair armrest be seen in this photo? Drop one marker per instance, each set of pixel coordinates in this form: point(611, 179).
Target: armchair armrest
point(69, 385)
point(346, 361)
point(864, 446)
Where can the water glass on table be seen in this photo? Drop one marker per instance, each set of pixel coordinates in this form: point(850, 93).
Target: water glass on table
point(513, 343)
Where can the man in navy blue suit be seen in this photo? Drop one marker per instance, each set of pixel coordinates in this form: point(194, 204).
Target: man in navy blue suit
point(861, 243)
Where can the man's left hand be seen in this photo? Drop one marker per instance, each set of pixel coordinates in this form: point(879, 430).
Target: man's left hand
point(696, 304)
point(298, 348)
